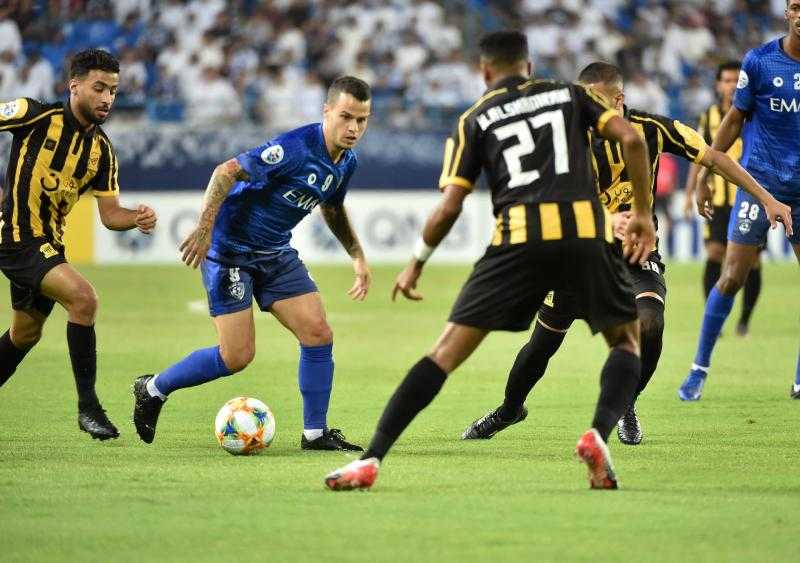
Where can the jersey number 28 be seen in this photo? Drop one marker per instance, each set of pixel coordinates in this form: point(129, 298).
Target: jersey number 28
point(522, 131)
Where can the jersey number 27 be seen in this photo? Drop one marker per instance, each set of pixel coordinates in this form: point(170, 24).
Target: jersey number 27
point(522, 131)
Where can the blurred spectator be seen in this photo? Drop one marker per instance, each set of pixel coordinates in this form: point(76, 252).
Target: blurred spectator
point(36, 79)
point(696, 97)
point(10, 37)
point(641, 92)
point(213, 100)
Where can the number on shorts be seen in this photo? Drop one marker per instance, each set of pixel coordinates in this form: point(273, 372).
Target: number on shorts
point(748, 211)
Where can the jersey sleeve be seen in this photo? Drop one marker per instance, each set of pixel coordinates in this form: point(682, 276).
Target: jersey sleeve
point(745, 96)
point(680, 139)
point(595, 111)
point(106, 181)
point(271, 160)
point(19, 113)
point(461, 164)
point(703, 129)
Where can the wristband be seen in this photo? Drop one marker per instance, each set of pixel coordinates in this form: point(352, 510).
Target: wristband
point(422, 251)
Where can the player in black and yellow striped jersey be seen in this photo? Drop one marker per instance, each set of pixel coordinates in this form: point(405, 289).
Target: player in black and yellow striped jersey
point(58, 153)
point(531, 139)
point(724, 194)
point(661, 134)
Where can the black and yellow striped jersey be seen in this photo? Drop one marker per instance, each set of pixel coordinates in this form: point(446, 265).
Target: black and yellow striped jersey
point(661, 134)
point(530, 139)
point(53, 162)
point(724, 192)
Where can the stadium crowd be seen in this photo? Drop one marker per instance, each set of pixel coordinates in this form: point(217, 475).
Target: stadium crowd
point(221, 61)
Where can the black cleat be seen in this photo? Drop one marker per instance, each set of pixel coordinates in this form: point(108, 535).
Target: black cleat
point(95, 422)
point(629, 430)
point(146, 409)
point(742, 330)
point(331, 439)
point(794, 393)
point(490, 424)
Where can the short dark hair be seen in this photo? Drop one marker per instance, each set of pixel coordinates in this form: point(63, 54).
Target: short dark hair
point(728, 65)
point(92, 59)
point(349, 85)
point(600, 72)
point(504, 48)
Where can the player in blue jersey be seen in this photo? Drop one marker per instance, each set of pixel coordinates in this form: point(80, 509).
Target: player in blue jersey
point(250, 207)
point(766, 109)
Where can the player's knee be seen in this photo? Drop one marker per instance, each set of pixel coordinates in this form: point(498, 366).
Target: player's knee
point(318, 333)
point(236, 359)
point(715, 252)
point(83, 306)
point(624, 337)
point(729, 283)
point(26, 337)
point(651, 318)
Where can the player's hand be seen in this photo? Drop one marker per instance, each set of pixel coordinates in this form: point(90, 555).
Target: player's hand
point(406, 281)
point(619, 222)
point(703, 196)
point(640, 238)
point(779, 212)
point(363, 280)
point(688, 207)
point(145, 219)
point(195, 246)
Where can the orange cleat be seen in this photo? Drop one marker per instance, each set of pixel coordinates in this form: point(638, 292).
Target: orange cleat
point(594, 453)
point(358, 474)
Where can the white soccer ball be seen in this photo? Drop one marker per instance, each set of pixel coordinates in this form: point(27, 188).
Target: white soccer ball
point(244, 426)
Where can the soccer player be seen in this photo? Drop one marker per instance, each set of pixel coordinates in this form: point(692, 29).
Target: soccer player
point(723, 195)
point(250, 207)
point(58, 153)
point(661, 134)
point(766, 112)
point(530, 137)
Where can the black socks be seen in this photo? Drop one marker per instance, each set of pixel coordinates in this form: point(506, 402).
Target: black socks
point(528, 369)
point(752, 289)
point(710, 276)
point(618, 382)
point(651, 324)
point(83, 354)
point(10, 357)
point(417, 390)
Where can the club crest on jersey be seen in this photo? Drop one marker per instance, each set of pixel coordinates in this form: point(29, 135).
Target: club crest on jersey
point(273, 154)
point(744, 80)
point(744, 227)
point(777, 81)
point(9, 109)
point(237, 287)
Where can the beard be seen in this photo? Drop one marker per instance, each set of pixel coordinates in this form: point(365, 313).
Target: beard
point(89, 115)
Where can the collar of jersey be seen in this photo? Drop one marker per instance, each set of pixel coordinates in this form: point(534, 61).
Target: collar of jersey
point(508, 82)
point(70, 118)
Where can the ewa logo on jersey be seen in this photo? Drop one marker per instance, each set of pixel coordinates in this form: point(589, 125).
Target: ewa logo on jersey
point(744, 80)
point(273, 154)
point(9, 109)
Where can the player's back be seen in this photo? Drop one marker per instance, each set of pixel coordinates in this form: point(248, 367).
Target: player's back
point(530, 138)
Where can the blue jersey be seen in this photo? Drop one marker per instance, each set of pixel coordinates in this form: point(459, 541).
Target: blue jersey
point(289, 176)
point(769, 92)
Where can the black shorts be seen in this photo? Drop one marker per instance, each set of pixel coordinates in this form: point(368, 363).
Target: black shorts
point(509, 283)
point(25, 264)
point(560, 308)
point(716, 229)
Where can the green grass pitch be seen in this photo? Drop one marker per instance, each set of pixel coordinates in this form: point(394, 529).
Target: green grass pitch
point(716, 480)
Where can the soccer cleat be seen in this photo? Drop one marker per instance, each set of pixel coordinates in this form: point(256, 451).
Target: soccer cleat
point(742, 330)
point(490, 424)
point(629, 430)
point(331, 439)
point(692, 387)
point(95, 422)
point(358, 474)
point(794, 391)
point(146, 409)
point(594, 453)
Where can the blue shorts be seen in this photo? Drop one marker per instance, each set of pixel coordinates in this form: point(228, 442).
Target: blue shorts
point(749, 224)
point(231, 286)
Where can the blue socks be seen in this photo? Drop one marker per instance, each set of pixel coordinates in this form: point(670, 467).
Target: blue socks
point(797, 373)
point(718, 307)
point(198, 367)
point(315, 378)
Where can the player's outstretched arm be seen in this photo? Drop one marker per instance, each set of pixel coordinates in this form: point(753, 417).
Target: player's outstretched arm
point(689, 189)
point(439, 223)
point(195, 246)
point(641, 234)
point(729, 130)
point(339, 223)
point(718, 162)
point(118, 218)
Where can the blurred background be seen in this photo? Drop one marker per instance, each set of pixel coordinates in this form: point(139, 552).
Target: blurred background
point(202, 80)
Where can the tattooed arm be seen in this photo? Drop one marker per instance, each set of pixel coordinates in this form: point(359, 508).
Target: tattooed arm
point(196, 245)
point(339, 223)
